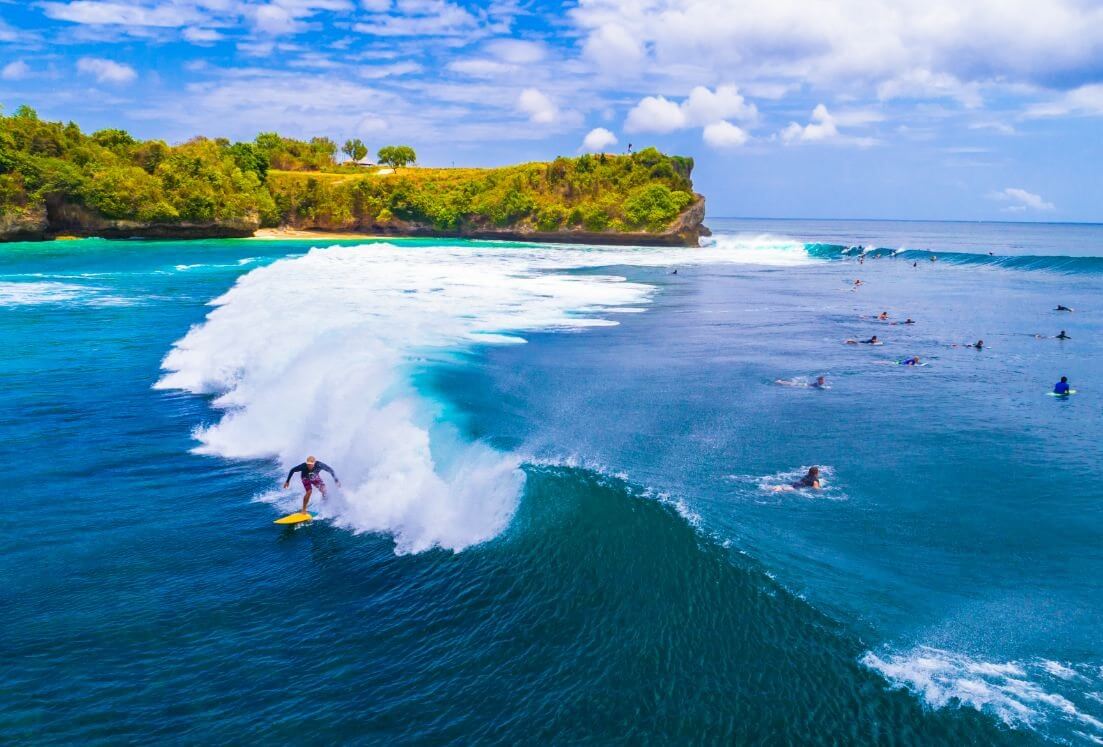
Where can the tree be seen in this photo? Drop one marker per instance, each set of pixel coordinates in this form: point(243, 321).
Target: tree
point(397, 156)
point(355, 149)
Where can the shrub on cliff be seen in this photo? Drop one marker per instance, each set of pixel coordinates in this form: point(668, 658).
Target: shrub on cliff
point(654, 206)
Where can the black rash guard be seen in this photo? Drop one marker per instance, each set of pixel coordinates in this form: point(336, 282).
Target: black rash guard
point(310, 473)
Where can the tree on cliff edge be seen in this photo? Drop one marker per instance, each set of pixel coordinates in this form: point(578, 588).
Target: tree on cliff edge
point(355, 149)
point(397, 156)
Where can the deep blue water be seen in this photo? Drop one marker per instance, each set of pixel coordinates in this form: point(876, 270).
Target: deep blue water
point(566, 539)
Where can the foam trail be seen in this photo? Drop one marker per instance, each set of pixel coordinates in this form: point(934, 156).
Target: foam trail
point(51, 292)
point(1029, 693)
point(313, 355)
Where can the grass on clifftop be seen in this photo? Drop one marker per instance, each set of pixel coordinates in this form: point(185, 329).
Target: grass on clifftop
point(280, 181)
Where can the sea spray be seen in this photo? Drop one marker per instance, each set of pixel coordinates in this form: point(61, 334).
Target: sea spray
point(314, 355)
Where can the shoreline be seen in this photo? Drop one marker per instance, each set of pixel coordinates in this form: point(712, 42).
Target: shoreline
point(294, 234)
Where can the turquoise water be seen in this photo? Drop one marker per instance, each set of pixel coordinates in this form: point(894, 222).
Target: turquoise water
point(555, 522)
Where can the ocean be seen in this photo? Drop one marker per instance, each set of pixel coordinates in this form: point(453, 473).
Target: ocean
point(557, 521)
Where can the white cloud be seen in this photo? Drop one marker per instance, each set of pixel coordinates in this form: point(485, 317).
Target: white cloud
point(1021, 200)
point(394, 70)
point(724, 134)
point(655, 114)
point(97, 13)
point(921, 83)
point(481, 68)
point(15, 70)
point(598, 139)
point(824, 127)
point(701, 108)
point(1085, 100)
point(371, 125)
point(614, 48)
point(106, 71)
point(1002, 128)
point(275, 20)
point(421, 18)
point(517, 51)
point(846, 42)
point(705, 107)
point(539, 108)
point(201, 35)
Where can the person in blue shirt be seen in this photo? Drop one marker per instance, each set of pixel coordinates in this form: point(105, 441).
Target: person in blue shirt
point(1062, 386)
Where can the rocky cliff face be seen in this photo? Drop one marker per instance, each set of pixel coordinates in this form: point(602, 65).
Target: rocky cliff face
point(26, 225)
point(66, 219)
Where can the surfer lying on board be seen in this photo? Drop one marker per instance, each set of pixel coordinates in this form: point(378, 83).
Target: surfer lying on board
point(311, 478)
point(810, 480)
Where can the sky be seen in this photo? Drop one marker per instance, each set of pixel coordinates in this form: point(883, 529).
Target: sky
point(915, 109)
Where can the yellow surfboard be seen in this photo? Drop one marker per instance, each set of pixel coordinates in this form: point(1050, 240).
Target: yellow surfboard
point(296, 518)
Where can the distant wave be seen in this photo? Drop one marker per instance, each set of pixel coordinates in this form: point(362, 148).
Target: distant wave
point(1057, 264)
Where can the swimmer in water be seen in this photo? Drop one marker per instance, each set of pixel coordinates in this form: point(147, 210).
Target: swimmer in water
point(820, 383)
point(883, 316)
point(934, 258)
point(979, 345)
point(857, 283)
point(915, 263)
point(1063, 336)
point(913, 361)
point(811, 480)
point(871, 341)
point(1062, 308)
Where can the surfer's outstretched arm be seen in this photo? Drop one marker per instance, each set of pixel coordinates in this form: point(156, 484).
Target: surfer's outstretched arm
point(326, 468)
point(299, 468)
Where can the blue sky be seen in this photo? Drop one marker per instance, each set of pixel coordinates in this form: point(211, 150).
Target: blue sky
point(952, 109)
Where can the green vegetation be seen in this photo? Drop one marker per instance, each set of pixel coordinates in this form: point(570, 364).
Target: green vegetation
point(275, 180)
point(396, 156)
point(117, 177)
point(354, 149)
point(642, 192)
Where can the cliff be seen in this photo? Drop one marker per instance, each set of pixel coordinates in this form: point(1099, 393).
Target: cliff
point(644, 198)
point(55, 179)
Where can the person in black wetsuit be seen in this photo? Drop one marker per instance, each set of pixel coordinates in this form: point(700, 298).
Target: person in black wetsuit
point(810, 480)
point(311, 471)
point(1063, 336)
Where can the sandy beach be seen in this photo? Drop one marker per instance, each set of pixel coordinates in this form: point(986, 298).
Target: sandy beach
point(295, 233)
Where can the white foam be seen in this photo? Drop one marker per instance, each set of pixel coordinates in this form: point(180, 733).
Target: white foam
point(50, 292)
point(1031, 693)
point(312, 354)
point(760, 249)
